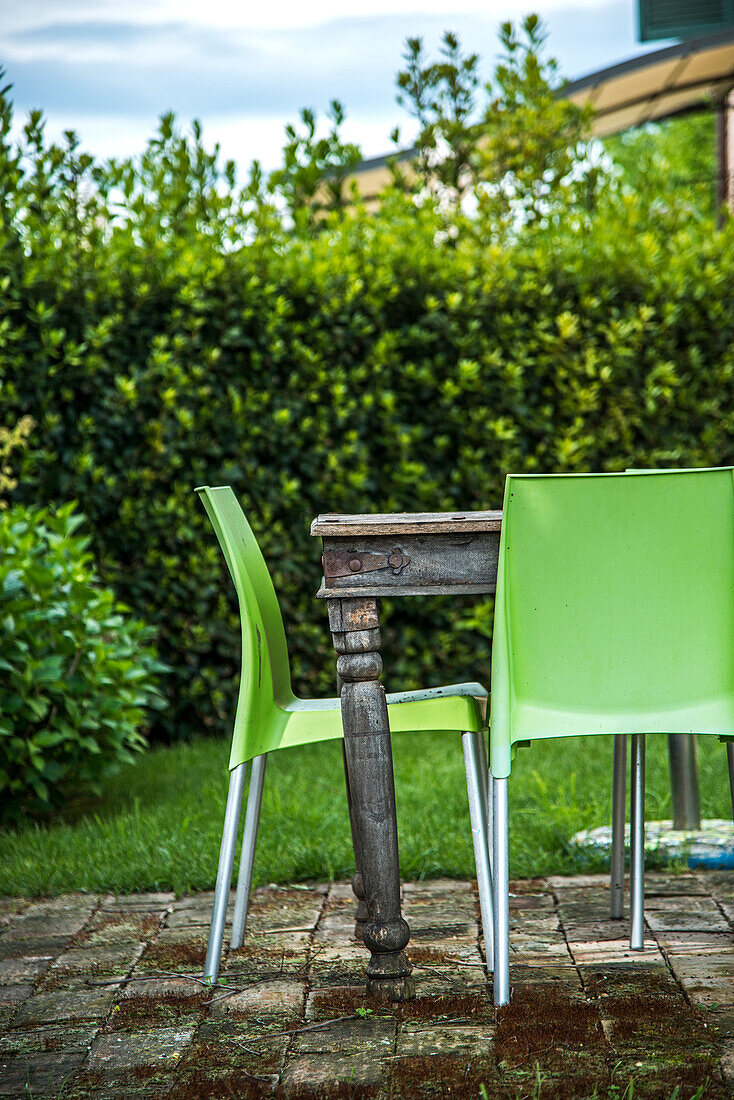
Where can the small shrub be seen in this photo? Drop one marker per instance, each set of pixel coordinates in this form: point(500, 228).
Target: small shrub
point(76, 672)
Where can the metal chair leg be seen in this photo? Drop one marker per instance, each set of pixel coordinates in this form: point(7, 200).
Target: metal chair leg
point(637, 843)
point(489, 801)
point(224, 872)
point(247, 857)
point(684, 781)
point(730, 762)
point(477, 792)
point(619, 793)
point(501, 893)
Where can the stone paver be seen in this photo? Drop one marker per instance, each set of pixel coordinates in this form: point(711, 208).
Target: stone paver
point(49, 1037)
point(102, 958)
point(276, 998)
point(26, 968)
point(130, 902)
point(428, 1039)
point(101, 997)
point(123, 1051)
point(43, 1075)
point(315, 1074)
point(349, 1036)
point(65, 1004)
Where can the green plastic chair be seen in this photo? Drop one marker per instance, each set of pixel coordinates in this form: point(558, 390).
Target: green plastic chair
point(614, 615)
point(270, 717)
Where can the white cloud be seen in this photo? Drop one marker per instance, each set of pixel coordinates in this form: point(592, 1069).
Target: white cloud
point(289, 13)
point(108, 68)
point(284, 15)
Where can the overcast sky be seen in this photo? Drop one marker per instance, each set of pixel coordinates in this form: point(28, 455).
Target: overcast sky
point(110, 68)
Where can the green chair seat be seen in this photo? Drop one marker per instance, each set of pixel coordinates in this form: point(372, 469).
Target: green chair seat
point(443, 709)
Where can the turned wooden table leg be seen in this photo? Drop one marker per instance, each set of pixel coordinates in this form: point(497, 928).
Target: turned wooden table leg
point(355, 626)
point(360, 914)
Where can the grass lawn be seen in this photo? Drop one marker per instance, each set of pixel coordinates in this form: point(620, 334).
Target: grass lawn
point(158, 824)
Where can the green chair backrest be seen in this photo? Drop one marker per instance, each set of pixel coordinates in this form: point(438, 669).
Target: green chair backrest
point(265, 682)
point(615, 607)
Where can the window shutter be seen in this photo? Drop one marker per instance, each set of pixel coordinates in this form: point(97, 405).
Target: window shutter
point(683, 18)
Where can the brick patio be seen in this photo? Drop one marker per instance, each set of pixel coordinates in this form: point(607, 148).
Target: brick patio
point(100, 999)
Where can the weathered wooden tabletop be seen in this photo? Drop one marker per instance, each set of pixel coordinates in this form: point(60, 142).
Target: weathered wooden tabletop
point(408, 553)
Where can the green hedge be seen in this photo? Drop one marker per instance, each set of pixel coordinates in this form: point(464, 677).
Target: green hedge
point(383, 365)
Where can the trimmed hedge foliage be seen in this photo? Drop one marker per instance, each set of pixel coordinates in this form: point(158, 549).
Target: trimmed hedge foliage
point(384, 365)
point(77, 675)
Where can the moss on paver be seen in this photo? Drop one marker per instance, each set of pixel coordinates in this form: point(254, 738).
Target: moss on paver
point(442, 1075)
point(175, 955)
point(117, 1009)
point(656, 1079)
point(163, 1009)
point(222, 1085)
point(549, 1026)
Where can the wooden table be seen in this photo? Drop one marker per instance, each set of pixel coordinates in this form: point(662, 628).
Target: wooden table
point(365, 557)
